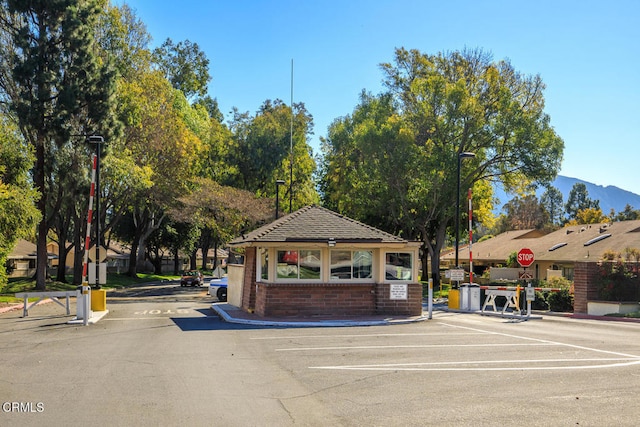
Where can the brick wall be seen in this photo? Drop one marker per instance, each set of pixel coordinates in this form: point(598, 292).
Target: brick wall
point(584, 285)
point(412, 306)
point(249, 282)
point(334, 299)
point(283, 300)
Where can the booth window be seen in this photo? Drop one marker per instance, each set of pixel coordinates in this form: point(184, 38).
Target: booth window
point(349, 265)
point(299, 264)
point(399, 266)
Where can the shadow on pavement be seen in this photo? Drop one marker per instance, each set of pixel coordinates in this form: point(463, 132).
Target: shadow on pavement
point(209, 321)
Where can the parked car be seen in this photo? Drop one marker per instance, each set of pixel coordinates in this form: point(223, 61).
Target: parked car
point(218, 287)
point(191, 278)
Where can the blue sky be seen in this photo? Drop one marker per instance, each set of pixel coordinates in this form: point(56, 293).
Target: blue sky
point(587, 53)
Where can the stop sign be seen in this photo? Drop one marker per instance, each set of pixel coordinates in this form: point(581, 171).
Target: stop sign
point(525, 257)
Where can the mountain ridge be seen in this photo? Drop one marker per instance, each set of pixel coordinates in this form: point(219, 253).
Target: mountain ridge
point(610, 196)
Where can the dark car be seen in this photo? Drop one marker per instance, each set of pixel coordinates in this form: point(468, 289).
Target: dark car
point(191, 278)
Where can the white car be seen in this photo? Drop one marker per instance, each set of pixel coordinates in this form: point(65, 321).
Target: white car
point(218, 287)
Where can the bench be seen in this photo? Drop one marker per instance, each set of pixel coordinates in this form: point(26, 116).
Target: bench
point(512, 299)
point(53, 295)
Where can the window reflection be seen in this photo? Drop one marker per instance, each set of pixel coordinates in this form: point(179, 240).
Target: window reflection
point(303, 264)
point(348, 265)
point(398, 266)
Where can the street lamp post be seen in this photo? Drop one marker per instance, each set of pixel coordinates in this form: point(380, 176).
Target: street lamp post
point(279, 182)
point(463, 155)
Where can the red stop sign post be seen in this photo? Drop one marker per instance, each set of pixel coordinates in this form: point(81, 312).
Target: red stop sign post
point(525, 257)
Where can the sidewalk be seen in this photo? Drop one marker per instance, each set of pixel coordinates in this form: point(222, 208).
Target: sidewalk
point(96, 316)
point(11, 307)
point(232, 314)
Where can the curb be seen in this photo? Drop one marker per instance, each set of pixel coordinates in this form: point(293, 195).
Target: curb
point(11, 308)
point(96, 315)
point(20, 306)
point(321, 323)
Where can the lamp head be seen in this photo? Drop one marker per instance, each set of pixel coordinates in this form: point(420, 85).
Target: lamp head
point(466, 155)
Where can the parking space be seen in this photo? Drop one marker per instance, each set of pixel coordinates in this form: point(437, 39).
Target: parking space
point(458, 343)
point(174, 354)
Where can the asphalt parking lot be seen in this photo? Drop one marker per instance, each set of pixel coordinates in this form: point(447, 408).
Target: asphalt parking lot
point(162, 357)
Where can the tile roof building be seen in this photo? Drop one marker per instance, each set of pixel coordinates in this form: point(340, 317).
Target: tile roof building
point(318, 262)
point(558, 250)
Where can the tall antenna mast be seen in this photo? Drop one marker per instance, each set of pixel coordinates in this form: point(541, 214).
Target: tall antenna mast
point(291, 147)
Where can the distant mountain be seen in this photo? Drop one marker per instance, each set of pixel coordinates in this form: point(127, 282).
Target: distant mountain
point(609, 196)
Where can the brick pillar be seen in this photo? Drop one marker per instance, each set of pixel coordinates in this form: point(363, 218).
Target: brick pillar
point(249, 281)
point(584, 285)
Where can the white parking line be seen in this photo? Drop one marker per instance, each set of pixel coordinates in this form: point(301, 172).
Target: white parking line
point(524, 365)
point(632, 356)
point(388, 347)
point(615, 360)
point(435, 334)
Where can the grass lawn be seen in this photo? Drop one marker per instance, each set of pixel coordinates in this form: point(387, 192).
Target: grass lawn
point(442, 292)
point(116, 281)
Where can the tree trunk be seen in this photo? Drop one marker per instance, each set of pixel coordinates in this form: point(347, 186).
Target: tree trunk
point(192, 259)
point(62, 231)
point(78, 247)
point(434, 252)
point(133, 255)
point(425, 262)
point(157, 262)
point(43, 228)
point(147, 226)
point(205, 252)
point(141, 253)
point(63, 251)
point(176, 263)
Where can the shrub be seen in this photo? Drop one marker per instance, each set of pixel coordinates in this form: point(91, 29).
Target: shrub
point(561, 300)
point(540, 303)
point(618, 281)
point(560, 282)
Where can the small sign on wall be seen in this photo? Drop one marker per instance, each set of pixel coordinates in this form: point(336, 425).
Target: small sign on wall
point(398, 291)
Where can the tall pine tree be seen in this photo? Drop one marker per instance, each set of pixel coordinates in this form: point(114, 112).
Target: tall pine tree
point(55, 83)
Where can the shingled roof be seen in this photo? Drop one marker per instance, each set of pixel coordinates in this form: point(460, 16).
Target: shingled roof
point(568, 244)
point(23, 250)
point(315, 224)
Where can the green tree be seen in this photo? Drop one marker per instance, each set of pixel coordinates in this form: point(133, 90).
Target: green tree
point(363, 176)
point(18, 214)
point(160, 141)
point(123, 38)
point(588, 216)
point(523, 213)
point(551, 202)
point(68, 185)
point(627, 214)
point(262, 150)
point(55, 83)
point(184, 65)
point(221, 212)
point(579, 200)
point(449, 104)
point(219, 148)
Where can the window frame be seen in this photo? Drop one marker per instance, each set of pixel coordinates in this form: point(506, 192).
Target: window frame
point(297, 279)
point(352, 279)
point(410, 268)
